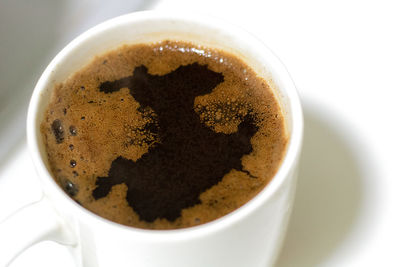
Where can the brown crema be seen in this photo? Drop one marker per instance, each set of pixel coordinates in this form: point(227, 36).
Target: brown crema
point(164, 135)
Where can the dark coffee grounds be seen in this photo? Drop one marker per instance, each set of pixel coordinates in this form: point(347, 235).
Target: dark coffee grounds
point(189, 157)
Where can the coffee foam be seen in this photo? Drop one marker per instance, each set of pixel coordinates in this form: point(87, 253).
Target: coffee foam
point(107, 126)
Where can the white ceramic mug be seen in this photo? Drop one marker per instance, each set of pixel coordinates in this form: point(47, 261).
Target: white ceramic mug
point(249, 236)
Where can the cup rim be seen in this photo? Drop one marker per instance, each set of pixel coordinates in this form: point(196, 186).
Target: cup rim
point(289, 161)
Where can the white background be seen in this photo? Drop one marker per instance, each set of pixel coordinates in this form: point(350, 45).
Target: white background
point(344, 57)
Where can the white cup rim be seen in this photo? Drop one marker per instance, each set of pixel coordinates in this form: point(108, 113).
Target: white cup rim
point(291, 157)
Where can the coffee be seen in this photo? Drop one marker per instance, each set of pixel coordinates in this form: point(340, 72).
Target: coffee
point(165, 135)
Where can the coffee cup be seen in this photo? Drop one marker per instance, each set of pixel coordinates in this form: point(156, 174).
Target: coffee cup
point(249, 236)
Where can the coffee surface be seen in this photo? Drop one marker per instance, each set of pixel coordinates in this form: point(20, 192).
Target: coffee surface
point(165, 135)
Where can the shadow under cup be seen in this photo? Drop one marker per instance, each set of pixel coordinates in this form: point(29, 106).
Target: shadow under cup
point(260, 223)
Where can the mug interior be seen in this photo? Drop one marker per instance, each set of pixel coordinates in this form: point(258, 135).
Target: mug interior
point(147, 27)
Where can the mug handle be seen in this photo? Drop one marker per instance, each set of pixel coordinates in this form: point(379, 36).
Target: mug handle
point(29, 225)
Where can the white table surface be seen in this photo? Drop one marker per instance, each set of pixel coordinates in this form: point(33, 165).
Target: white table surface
point(344, 57)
